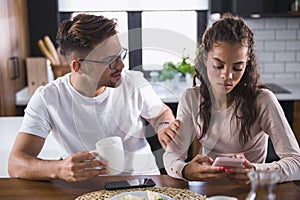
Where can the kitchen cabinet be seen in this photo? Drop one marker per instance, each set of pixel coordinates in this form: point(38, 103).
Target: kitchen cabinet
point(43, 19)
point(297, 120)
point(14, 45)
point(254, 8)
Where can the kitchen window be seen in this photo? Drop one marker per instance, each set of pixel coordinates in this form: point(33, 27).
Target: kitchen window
point(159, 31)
point(166, 36)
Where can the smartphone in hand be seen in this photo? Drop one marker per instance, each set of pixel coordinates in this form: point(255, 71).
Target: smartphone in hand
point(134, 183)
point(228, 162)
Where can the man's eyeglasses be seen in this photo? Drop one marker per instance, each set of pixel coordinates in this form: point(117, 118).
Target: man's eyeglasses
point(113, 64)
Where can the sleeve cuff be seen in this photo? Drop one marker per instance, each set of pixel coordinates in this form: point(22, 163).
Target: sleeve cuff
point(176, 171)
point(266, 167)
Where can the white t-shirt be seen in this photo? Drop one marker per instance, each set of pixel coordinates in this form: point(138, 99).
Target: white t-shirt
point(78, 122)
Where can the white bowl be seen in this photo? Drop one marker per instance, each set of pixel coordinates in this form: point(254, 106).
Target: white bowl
point(222, 198)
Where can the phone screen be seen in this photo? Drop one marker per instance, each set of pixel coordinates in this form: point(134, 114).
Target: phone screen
point(228, 162)
point(145, 182)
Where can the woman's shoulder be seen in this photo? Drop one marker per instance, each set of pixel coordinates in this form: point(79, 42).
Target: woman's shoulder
point(192, 90)
point(191, 93)
point(265, 93)
point(266, 97)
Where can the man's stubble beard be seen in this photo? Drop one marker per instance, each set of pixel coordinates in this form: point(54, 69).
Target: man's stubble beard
point(111, 84)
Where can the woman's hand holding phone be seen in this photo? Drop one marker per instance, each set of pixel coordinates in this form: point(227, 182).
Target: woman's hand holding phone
point(204, 168)
point(240, 173)
point(200, 169)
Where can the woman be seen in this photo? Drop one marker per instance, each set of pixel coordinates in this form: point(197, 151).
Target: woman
point(231, 112)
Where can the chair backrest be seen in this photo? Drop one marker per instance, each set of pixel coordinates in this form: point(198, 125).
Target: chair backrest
point(1, 97)
point(8, 131)
point(9, 128)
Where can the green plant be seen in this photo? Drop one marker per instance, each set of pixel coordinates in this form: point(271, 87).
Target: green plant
point(168, 72)
point(185, 67)
point(170, 69)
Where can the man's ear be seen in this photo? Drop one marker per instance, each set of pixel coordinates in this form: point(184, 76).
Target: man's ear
point(75, 65)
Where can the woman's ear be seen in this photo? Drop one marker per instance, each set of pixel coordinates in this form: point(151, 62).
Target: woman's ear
point(75, 65)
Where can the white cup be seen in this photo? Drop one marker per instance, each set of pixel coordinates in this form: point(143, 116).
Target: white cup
point(111, 149)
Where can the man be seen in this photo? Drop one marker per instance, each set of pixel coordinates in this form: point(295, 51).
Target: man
point(96, 100)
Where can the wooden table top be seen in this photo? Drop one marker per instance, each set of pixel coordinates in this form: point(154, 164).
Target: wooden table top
point(11, 188)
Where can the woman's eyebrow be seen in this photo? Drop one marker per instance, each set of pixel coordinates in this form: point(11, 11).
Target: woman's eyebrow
point(236, 63)
point(219, 60)
point(239, 63)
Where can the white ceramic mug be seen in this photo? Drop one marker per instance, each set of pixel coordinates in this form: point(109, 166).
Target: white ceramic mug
point(111, 149)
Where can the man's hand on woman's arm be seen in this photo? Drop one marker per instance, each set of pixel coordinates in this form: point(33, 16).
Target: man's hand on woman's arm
point(167, 132)
point(160, 123)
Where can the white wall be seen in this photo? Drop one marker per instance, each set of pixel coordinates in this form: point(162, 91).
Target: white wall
point(278, 48)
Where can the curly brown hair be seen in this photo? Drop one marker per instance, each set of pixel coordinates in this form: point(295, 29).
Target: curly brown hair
point(230, 29)
point(83, 33)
